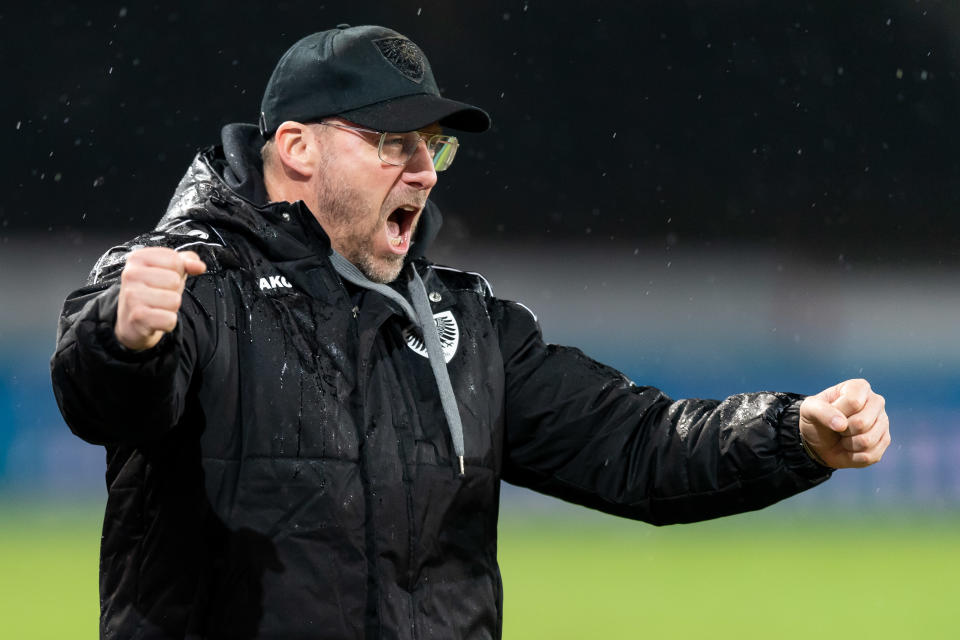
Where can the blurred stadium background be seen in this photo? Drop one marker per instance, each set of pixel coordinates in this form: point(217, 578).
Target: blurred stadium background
point(713, 197)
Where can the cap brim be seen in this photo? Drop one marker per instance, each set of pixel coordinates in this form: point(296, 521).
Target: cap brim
point(408, 113)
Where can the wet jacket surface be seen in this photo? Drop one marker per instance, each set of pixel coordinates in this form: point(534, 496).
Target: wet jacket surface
point(279, 466)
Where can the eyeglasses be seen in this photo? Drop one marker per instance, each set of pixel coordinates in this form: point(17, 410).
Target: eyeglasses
point(398, 148)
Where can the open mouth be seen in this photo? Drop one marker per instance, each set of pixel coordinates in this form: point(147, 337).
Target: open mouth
point(399, 227)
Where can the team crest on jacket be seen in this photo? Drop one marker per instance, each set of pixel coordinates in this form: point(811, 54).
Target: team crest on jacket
point(449, 336)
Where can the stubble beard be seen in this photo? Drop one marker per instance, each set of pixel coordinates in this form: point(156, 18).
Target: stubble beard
point(341, 214)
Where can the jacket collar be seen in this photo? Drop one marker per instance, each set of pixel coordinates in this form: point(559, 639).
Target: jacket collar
point(230, 177)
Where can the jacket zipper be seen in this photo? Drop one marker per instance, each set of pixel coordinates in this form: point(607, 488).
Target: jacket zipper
point(404, 459)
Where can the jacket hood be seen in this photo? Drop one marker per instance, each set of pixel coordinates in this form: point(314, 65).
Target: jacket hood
point(229, 176)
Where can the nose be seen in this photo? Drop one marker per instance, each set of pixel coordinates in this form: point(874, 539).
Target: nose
point(419, 171)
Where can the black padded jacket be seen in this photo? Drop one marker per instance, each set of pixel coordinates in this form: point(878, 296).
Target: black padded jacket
point(279, 466)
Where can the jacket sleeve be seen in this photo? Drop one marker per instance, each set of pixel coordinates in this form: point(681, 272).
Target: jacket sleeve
point(583, 432)
point(110, 394)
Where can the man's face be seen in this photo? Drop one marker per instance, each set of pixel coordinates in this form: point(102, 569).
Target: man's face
point(369, 209)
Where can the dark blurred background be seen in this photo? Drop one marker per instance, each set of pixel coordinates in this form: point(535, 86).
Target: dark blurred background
point(713, 196)
point(819, 128)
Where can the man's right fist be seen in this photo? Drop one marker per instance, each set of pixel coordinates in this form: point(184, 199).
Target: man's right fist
point(151, 288)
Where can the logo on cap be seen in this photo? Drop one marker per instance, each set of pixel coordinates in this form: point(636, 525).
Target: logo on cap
point(405, 56)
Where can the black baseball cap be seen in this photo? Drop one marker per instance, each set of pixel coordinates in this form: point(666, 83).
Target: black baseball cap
point(370, 75)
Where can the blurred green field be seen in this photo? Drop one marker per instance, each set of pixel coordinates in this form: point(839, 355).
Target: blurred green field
point(774, 574)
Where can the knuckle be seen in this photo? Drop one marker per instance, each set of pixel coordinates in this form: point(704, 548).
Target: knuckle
point(138, 315)
point(128, 273)
point(168, 280)
point(169, 321)
point(164, 300)
point(862, 459)
point(130, 293)
point(856, 424)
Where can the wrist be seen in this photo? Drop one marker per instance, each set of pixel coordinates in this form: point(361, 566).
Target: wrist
point(811, 453)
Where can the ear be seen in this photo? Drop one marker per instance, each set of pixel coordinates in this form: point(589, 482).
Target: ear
point(296, 147)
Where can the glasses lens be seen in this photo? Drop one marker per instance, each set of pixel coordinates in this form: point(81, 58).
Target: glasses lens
point(442, 149)
point(397, 148)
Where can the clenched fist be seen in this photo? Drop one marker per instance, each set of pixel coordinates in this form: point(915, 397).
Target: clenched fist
point(846, 425)
point(151, 288)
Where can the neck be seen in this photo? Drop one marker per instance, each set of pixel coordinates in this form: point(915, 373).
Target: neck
point(283, 189)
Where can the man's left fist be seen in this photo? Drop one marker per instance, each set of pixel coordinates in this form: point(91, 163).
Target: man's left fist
point(846, 425)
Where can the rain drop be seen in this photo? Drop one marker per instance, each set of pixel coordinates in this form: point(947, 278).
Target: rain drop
point(99, 181)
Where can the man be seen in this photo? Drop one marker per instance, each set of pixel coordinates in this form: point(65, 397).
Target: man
point(307, 421)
